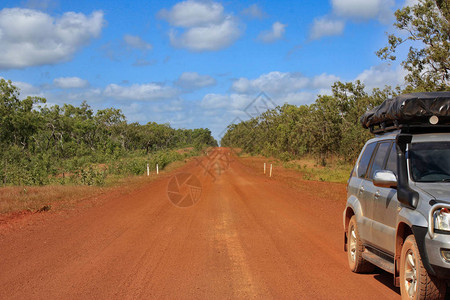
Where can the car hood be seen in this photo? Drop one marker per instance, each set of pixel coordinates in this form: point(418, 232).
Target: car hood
point(438, 190)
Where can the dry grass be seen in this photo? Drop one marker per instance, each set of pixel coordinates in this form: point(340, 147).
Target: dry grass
point(334, 171)
point(299, 179)
point(184, 150)
point(34, 198)
point(307, 168)
point(41, 198)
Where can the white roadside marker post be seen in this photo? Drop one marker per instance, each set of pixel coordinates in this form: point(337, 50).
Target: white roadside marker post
point(264, 168)
point(157, 169)
point(270, 170)
point(148, 170)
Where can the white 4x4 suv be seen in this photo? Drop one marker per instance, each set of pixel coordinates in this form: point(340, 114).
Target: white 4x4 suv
point(397, 215)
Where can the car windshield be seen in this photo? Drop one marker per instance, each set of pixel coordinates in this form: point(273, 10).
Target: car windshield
point(430, 162)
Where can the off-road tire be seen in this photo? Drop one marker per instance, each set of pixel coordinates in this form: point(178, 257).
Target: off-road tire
point(355, 248)
point(412, 272)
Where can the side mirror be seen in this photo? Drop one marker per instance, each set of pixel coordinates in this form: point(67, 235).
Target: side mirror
point(386, 179)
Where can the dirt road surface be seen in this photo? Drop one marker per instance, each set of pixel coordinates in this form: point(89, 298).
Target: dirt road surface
point(246, 236)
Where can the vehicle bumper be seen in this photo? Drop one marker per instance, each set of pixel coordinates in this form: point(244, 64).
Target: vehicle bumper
point(441, 267)
point(430, 251)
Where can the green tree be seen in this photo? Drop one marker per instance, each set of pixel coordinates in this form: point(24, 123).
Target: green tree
point(326, 127)
point(18, 120)
point(353, 101)
point(427, 28)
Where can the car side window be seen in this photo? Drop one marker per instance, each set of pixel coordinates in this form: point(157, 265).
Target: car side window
point(380, 157)
point(365, 160)
point(391, 163)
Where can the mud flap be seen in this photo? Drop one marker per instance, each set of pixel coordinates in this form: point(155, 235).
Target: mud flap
point(419, 234)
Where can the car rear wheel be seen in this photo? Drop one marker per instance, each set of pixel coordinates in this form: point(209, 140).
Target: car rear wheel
point(355, 248)
point(415, 283)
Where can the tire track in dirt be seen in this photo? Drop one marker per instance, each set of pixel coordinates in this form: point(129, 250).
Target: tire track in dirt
point(226, 240)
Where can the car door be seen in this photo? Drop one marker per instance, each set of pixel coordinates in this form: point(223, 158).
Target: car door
point(362, 192)
point(368, 190)
point(385, 206)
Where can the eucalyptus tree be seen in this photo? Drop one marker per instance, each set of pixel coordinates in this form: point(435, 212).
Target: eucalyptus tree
point(425, 27)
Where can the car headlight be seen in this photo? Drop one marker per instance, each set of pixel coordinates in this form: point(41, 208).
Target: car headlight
point(442, 219)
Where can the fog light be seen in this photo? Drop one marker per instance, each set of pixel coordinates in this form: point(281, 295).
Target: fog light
point(445, 253)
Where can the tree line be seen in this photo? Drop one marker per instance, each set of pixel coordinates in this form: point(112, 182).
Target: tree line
point(330, 126)
point(40, 142)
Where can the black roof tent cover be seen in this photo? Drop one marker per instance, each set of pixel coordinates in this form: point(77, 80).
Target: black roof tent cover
point(408, 109)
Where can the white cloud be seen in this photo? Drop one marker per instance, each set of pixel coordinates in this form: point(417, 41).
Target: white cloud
point(323, 81)
point(355, 10)
point(326, 26)
point(298, 98)
point(382, 75)
point(91, 95)
point(70, 82)
point(292, 88)
point(285, 87)
point(215, 101)
point(148, 91)
point(254, 11)
point(167, 107)
point(207, 38)
point(27, 89)
point(136, 42)
point(410, 2)
point(363, 10)
point(193, 13)
point(228, 102)
point(193, 80)
point(136, 112)
point(181, 120)
point(274, 83)
point(205, 27)
point(31, 38)
point(276, 33)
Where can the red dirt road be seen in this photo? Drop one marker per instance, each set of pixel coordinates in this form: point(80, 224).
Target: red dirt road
point(248, 236)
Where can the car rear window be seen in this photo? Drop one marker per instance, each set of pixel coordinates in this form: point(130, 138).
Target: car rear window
point(365, 160)
point(391, 164)
point(380, 157)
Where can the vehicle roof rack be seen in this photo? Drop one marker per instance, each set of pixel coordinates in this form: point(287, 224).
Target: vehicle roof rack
point(410, 128)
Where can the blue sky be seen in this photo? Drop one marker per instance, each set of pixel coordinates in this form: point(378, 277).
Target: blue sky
point(192, 63)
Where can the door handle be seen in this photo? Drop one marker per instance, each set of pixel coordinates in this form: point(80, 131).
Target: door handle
point(377, 194)
point(361, 190)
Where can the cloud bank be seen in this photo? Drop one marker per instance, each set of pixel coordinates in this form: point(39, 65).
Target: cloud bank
point(32, 38)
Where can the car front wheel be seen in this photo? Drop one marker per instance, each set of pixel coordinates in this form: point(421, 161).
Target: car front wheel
point(415, 283)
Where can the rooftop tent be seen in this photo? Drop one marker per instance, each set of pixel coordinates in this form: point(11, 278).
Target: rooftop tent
point(409, 109)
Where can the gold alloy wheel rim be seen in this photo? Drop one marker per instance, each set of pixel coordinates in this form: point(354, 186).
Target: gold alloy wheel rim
point(410, 274)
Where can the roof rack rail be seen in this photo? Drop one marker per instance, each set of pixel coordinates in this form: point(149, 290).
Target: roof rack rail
point(384, 127)
point(409, 128)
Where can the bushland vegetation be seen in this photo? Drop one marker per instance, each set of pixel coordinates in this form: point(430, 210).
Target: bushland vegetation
point(328, 127)
point(68, 144)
